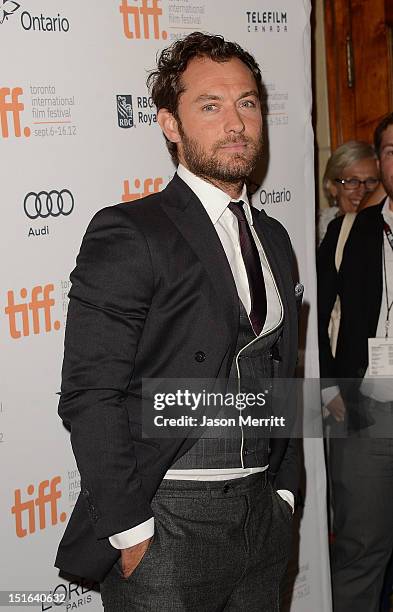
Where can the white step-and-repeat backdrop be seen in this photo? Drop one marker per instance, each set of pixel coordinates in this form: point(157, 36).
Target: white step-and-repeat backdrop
point(78, 131)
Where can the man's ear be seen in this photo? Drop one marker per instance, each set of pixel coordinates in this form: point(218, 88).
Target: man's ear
point(168, 124)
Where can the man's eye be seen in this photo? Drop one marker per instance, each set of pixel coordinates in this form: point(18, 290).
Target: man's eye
point(248, 103)
point(209, 107)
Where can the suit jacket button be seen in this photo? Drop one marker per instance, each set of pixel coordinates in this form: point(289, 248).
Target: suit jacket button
point(200, 356)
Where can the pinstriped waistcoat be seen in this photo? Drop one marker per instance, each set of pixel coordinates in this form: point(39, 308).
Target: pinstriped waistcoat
point(225, 449)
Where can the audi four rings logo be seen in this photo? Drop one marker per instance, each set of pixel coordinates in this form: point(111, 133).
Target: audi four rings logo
point(48, 204)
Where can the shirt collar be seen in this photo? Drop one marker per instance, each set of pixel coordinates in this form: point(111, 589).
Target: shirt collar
point(214, 200)
point(387, 213)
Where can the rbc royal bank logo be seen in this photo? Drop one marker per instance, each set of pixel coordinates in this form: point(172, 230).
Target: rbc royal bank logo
point(145, 13)
point(32, 314)
point(10, 112)
point(125, 114)
point(35, 504)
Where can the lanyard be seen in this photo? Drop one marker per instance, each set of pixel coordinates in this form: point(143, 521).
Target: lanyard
point(389, 236)
point(389, 233)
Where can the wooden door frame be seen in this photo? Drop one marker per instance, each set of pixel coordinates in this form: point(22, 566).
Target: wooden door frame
point(349, 116)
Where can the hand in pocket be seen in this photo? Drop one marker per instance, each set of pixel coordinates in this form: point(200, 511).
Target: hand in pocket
point(131, 557)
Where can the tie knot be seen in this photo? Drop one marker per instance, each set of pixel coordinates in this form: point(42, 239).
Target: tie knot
point(238, 210)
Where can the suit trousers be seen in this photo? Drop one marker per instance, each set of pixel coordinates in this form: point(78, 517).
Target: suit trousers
point(221, 545)
point(362, 486)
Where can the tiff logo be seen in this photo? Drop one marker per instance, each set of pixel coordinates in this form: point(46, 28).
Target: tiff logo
point(47, 497)
point(149, 11)
point(40, 302)
point(11, 105)
point(149, 186)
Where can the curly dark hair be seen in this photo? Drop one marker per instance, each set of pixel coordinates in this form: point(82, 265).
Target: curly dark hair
point(165, 84)
point(379, 130)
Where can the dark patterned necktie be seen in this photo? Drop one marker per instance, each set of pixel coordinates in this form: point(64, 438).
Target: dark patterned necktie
point(253, 267)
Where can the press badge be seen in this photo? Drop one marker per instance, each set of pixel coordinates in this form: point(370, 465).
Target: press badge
point(380, 356)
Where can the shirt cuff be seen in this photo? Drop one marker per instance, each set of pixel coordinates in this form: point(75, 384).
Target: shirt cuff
point(289, 497)
point(133, 536)
point(327, 395)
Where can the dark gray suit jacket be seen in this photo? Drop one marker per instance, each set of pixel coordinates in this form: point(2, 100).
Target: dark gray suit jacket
point(152, 292)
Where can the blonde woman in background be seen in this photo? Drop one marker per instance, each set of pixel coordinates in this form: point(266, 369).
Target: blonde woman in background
point(351, 175)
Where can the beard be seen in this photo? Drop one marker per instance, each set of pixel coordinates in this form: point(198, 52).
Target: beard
point(236, 167)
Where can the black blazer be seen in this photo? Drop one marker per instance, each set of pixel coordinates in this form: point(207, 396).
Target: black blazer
point(152, 291)
point(359, 285)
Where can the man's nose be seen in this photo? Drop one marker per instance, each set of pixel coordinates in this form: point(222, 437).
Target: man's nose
point(233, 121)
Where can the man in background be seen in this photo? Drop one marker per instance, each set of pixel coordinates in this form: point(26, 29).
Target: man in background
point(362, 463)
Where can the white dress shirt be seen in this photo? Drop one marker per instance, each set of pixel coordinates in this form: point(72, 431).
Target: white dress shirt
point(225, 223)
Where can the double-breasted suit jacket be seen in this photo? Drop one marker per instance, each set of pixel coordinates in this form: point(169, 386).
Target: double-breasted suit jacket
point(152, 296)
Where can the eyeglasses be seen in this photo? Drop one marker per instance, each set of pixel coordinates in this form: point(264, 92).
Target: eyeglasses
point(354, 183)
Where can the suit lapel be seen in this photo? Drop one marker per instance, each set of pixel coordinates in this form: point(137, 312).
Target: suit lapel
point(280, 265)
point(274, 254)
point(191, 219)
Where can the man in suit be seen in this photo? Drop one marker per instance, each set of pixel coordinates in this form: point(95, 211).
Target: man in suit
point(362, 462)
point(190, 283)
